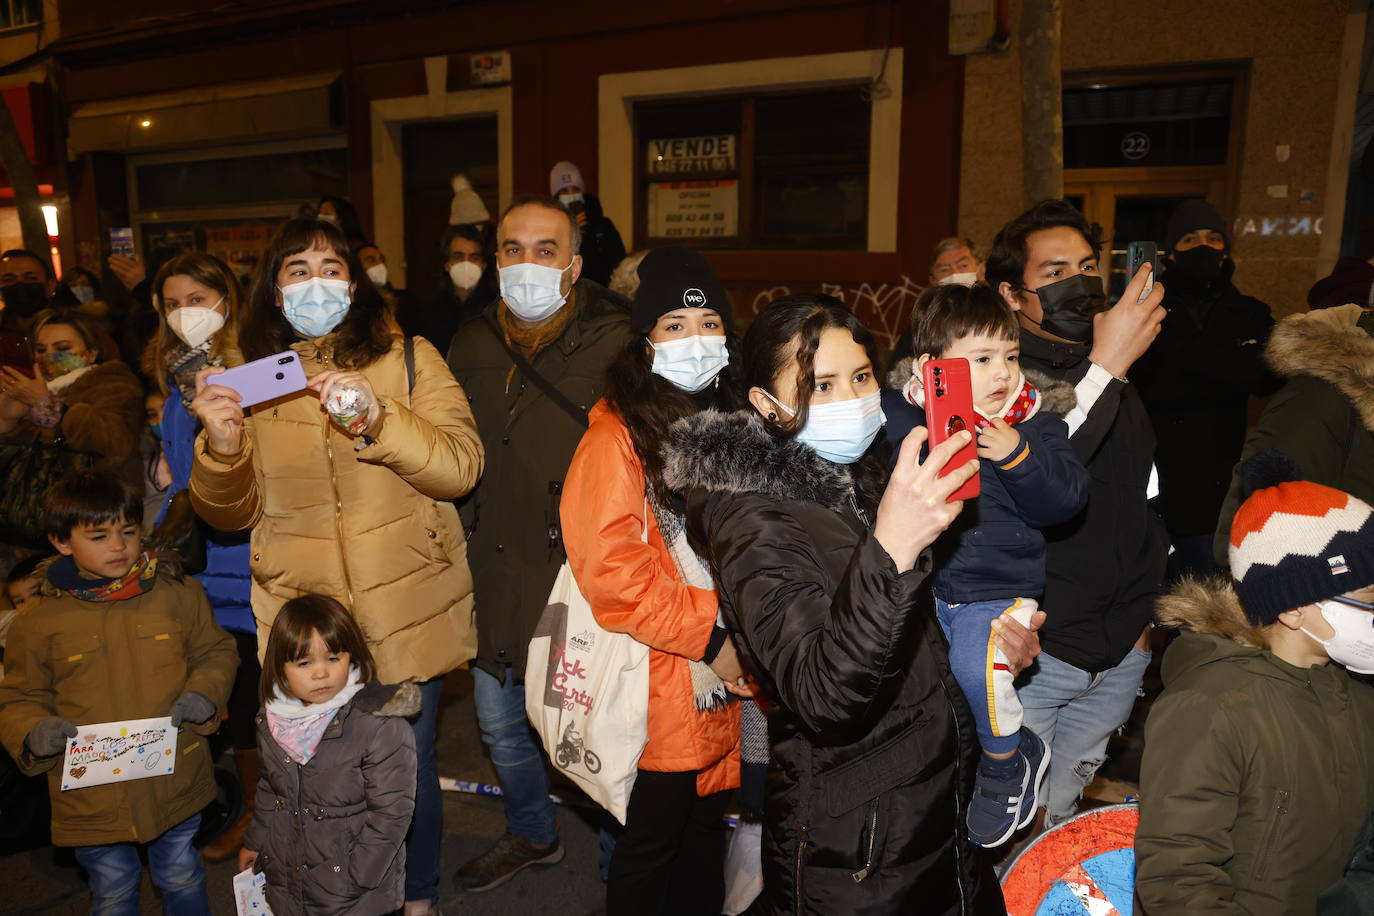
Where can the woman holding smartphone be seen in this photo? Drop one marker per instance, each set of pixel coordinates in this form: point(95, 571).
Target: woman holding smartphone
point(356, 506)
point(821, 567)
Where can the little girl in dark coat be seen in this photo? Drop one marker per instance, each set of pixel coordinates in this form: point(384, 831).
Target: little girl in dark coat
point(337, 761)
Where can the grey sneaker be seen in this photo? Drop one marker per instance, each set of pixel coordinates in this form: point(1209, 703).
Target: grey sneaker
point(503, 861)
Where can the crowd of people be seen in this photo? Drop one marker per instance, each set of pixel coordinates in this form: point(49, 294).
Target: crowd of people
point(896, 684)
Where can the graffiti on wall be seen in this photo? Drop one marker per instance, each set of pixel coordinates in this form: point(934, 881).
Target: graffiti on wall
point(884, 308)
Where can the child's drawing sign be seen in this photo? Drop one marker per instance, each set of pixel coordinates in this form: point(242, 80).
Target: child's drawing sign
point(119, 751)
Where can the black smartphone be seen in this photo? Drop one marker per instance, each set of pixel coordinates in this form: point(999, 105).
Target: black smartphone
point(1138, 253)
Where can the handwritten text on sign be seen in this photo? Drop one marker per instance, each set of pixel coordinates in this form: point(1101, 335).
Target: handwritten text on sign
point(119, 751)
point(694, 209)
point(691, 155)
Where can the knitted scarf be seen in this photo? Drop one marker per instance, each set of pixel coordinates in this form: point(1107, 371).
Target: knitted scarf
point(139, 579)
point(182, 364)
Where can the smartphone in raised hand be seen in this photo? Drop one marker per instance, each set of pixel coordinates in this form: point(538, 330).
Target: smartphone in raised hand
point(1138, 253)
point(264, 379)
point(949, 408)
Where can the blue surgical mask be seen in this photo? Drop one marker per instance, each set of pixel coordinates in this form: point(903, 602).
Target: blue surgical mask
point(156, 430)
point(690, 363)
point(316, 306)
point(841, 431)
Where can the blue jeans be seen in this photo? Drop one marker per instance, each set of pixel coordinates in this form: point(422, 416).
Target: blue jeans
point(981, 669)
point(516, 754)
point(173, 862)
point(1074, 712)
point(427, 825)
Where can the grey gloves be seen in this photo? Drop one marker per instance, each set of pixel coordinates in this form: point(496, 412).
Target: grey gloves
point(50, 736)
point(191, 707)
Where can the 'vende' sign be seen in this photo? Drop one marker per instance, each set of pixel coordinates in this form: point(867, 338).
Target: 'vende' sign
point(692, 155)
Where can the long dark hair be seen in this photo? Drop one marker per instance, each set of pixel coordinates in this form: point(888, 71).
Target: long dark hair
point(362, 338)
point(785, 335)
point(649, 404)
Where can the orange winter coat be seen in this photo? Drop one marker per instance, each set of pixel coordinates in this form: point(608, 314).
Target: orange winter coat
point(633, 587)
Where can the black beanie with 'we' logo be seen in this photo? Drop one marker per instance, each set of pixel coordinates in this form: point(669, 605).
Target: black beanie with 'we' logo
point(676, 278)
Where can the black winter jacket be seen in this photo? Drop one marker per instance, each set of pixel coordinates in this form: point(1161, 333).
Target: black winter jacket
point(1196, 380)
point(330, 835)
point(601, 248)
point(995, 549)
point(511, 518)
point(1104, 567)
point(871, 742)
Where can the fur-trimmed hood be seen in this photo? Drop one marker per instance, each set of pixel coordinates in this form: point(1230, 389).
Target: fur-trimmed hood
point(1329, 345)
point(389, 700)
point(1057, 396)
point(1215, 631)
point(735, 453)
point(1208, 606)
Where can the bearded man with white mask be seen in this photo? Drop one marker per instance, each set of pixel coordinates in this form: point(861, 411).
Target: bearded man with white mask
point(532, 365)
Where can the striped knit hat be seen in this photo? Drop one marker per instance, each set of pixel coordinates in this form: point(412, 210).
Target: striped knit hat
point(1294, 542)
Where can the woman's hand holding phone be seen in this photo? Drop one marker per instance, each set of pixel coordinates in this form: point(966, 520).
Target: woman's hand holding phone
point(915, 509)
point(20, 387)
point(219, 413)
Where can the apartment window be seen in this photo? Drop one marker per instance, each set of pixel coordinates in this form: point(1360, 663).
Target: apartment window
point(16, 13)
point(763, 170)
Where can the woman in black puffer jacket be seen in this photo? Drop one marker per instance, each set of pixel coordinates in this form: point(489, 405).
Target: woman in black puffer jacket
point(826, 588)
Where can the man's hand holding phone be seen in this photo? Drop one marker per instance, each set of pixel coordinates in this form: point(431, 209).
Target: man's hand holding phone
point(1123, 333)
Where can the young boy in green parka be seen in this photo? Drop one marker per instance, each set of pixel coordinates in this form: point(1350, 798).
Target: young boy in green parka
point(1256, 779)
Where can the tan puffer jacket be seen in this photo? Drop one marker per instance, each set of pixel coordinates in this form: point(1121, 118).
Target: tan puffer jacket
point(373, 527)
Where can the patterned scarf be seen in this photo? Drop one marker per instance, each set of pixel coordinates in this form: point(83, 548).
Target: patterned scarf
point(182, 364)
point(299, 727)
point(1022, 404)
point(139, 579)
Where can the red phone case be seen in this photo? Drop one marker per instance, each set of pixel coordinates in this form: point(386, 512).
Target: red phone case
point(15, 353)
point(949, 408)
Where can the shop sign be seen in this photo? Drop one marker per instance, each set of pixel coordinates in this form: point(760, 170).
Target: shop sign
point(694, 209)
point(692, 155)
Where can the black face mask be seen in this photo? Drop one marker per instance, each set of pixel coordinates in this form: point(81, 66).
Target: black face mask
point(1069, 305)
point(1201, 262)
point(25, 299)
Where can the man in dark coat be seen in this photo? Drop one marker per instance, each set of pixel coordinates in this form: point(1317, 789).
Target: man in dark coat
point(601, 248)
point(1197, 379)
point(532, 365)
point(1103, 568)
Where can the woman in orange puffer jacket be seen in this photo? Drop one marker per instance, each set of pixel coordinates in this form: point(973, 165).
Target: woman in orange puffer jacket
point(627, 548)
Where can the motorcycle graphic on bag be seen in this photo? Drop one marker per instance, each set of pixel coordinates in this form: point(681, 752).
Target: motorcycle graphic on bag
point(571, 750)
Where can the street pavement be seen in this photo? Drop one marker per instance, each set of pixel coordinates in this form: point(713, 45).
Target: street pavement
point(46, 880)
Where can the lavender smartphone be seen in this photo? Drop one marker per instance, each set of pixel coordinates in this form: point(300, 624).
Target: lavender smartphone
point(264, 379)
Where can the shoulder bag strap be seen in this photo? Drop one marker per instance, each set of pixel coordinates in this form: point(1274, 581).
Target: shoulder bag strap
point(410, 364)
point(553, 394)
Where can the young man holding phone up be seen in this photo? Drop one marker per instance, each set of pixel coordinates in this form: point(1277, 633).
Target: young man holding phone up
point(1104, 566)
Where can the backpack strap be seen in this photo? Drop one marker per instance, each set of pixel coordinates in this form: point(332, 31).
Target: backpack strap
point(410, 364)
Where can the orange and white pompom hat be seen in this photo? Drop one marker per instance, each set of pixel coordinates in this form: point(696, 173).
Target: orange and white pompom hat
point(1294, 542)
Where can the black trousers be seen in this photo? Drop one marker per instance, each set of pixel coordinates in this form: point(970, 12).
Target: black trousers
point(671, 857)
point(240, 727)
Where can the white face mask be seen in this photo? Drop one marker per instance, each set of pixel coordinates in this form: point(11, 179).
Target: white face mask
point(465, 275)
point(195, 324)
point(964, 279)
point(377, 274)
point(567, 200)
point(841, 431)
point(533, 292)
point(82, 294)
point(690, 363)
point(1352, 643)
